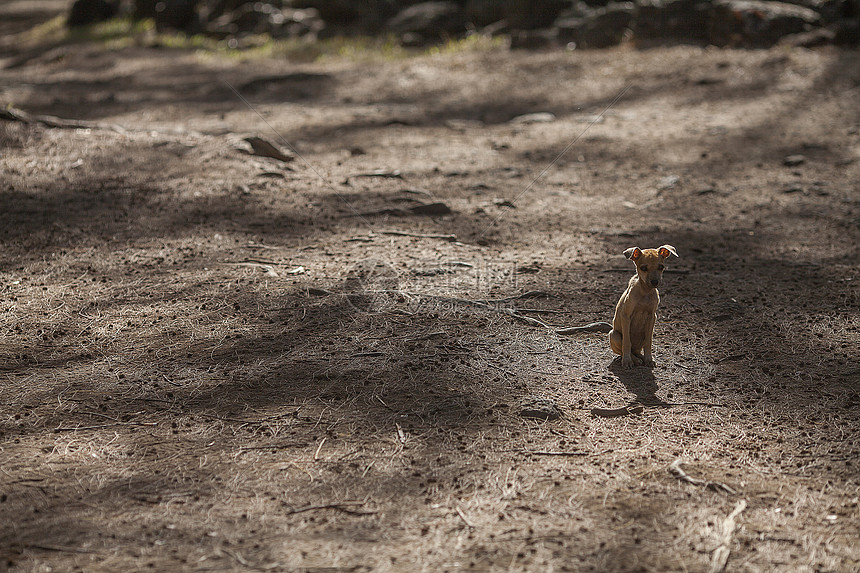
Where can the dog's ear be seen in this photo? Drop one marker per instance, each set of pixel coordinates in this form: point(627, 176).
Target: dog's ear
point(667, 250)
point(633, 253)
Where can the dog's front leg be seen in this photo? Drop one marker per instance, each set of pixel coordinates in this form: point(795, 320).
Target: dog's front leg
point(647, 359)
point(626, 344)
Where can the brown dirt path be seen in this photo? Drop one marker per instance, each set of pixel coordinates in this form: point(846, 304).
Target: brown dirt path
point(216, 361)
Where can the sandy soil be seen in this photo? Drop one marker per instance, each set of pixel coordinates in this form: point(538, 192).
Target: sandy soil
point(211, 360)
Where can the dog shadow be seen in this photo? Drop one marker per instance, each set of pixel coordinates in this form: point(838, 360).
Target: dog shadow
point(640, 381)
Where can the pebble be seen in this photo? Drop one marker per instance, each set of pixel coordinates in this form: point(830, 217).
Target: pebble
point(537, 117)
point(540, 408)
point(794, 160)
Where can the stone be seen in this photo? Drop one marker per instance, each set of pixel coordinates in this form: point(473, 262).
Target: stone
point(756, 23)
point(794, 160)
point(482, 13)
point(602, 28)
point(532, 14)
point(265, 148)
point(338, 12)
point(144, 9)
point(539, 408)
point(429, 20)
point(88, 12)
point(534, 39)
point(670, 21)
point(536, 117)
point(176, 15)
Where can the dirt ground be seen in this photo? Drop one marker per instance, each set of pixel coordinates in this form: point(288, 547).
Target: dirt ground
point(211, 360)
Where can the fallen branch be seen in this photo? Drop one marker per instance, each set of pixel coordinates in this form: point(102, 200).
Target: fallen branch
point(527, 319)
point(527, 294)
point(58, 548)
point(464, 518)
point(101, 426)
point(319, 447)
point(493, 304)
point(634, 408)
point(429, 209)
point(720, 556)
point(13, 114)
point(343, 506)
point(378, 173)
point(542, 453)
point(451, 238)
point(592, 327)
point(675, 470)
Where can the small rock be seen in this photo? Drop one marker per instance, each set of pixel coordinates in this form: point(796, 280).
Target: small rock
point(793, 189)
point(794, 160)
point(669, 21)
point(532, 14)
point(176, 15)
point(86, 12)
point(428, 20)
point(601, 28)
point(668, 182)
point(537, 117)
point(534, 39)
point(431, 209)
point(756, 23)
point(265, 148)
point(539, 408)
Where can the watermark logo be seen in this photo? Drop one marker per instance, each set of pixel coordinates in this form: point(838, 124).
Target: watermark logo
point(429, 285)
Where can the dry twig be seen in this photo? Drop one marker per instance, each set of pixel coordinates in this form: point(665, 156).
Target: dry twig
point(592, 327)
point(634, 408)
point(464, 518)
point(451, 238)
point(542, 453)
point(343, 506)
point(675, 470)
point(720, 556)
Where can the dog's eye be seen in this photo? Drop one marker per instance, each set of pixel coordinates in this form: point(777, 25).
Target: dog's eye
point(644, 268)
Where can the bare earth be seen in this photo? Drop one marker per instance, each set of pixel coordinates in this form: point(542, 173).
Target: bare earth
point(211, 360)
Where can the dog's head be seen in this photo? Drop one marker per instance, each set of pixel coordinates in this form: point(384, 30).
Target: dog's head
point(649, 263)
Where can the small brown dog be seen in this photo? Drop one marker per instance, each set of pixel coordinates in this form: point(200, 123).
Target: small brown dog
point(636, 311)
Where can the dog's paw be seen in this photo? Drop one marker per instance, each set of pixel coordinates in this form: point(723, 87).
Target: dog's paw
point(627, 362)
point(649, 362)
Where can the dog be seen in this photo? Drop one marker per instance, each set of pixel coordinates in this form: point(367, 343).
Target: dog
point(636, 312)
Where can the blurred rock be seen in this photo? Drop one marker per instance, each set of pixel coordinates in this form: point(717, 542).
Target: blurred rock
point(671, 21)
point(847, 32)
point(601, 28)
point(429, 20)
point(177, 15)
point(756, 23)
point(534, 39)
point(533, 14)
point(263, 18)
point(531, 24)
point(144, 9)
point(484, 12)
point(87, 12)
point(539, 408)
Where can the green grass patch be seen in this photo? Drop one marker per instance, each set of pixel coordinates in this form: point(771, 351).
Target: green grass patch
point(124, 32)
